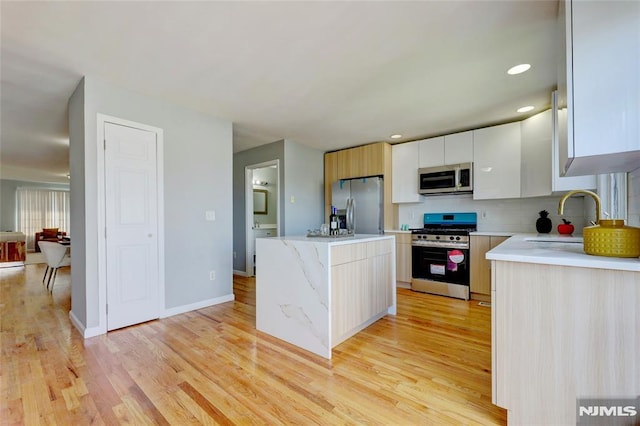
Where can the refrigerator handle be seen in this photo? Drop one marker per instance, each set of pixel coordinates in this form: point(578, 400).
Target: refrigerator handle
point(348, 214)
point(351, 205)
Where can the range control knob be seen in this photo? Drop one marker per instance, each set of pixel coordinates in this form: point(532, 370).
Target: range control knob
point(457, 238)
point(437, 237)
point(451, 238)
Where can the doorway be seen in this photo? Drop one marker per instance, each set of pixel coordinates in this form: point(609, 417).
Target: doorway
point(131, 254)
point(262, 202)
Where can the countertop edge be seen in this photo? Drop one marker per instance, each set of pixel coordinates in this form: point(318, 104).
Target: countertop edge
point(358, 238)
point(516, 249)
point(494, 233)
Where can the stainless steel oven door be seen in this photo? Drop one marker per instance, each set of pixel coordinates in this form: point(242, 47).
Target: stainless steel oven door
point(444, 264)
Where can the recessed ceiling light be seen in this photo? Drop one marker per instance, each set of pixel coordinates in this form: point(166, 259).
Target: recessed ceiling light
point(396, 136)
point(525, 109)
point(518, 69)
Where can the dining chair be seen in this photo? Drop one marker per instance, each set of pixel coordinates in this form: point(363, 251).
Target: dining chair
point(55, 255)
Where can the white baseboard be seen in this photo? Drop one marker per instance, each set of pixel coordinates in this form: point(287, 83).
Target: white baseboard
point(84, 331)
point(402, 284)
point(198, 305)
point(96, 331)
point(241, 273)
point(12, 264)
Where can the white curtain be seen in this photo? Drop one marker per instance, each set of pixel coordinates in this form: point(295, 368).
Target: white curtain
point(42, 208)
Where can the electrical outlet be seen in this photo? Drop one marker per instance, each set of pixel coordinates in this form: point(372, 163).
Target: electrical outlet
point(212, 275)
point(234, 254)
point(210, 215)
point(293, 199)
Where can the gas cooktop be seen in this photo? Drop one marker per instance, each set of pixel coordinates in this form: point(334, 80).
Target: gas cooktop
point(448, 224)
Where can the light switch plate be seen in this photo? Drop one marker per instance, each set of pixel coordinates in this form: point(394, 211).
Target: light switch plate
point(210, 215)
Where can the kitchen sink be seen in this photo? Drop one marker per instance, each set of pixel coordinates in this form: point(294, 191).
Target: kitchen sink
point(555, 239)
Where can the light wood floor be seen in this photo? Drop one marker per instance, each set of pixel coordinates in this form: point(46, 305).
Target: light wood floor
point(428, 365)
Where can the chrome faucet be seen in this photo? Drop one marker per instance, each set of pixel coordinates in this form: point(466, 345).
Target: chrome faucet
point(581, 191)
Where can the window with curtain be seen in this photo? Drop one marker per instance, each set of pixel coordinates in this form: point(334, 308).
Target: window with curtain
point(41, 208)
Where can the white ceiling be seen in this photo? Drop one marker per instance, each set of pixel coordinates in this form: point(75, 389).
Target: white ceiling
point(325, 74)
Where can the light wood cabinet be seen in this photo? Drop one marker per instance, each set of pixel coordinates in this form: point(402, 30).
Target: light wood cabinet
point(372, 159)
point(362, 285)
point(405, 172)
point(403, 256)
point(480, 266)
point(560, 333)
point(602, 73)
point(344, 163)
point(496, 169)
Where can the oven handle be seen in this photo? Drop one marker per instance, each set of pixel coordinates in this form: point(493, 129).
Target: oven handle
point(441, 245)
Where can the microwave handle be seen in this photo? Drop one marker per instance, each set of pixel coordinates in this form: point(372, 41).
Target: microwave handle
point(457, 175)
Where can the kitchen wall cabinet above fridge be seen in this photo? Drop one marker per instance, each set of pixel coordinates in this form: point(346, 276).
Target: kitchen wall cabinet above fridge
point(362, 161)
point(599, 85)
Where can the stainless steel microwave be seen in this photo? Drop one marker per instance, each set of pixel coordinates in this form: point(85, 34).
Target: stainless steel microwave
point(449, 179)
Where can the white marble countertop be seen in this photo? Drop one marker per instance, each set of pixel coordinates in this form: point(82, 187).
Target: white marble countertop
point(398, 231)
point(358, 238)
point(557, 250)
point(493, 233)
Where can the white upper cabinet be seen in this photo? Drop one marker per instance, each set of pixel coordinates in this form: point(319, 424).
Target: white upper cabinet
point(449, 149)
point(602, 91)
point(404, 171)
point(432, 152)
point(535, 155)
point(458, 148)
point(540, 170)
point(496, 162)
point(561, 183)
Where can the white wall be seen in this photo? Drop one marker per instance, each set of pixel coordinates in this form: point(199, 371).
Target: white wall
point(633, 202)
point(304, 181)
point(197, 177)
point(512, 215)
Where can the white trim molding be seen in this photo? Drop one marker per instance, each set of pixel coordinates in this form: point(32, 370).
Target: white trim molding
point(198, 305)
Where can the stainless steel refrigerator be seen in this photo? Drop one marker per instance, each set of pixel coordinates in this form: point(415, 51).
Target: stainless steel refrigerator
point(360, 204)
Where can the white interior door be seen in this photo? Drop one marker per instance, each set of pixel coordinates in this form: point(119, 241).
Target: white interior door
point(131, 218)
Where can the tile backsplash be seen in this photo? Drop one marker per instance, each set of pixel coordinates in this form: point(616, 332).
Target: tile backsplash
point(512, 215)
point(633, 201)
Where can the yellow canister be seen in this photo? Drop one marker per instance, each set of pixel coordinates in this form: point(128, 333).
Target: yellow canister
point(612, 238)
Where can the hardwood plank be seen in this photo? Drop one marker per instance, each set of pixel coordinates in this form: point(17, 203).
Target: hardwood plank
point(430, 364)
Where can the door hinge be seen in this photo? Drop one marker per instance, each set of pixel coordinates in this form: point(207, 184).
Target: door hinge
point(105, 232)
point(105, 144)
point(107, 309)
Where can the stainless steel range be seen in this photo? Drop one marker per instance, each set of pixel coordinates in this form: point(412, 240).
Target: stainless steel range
point(440, 254)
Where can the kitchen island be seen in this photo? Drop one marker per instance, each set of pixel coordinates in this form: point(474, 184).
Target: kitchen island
point(565, 326)
point(317, 292)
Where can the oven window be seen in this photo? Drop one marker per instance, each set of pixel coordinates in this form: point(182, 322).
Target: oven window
point(441, 264)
